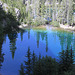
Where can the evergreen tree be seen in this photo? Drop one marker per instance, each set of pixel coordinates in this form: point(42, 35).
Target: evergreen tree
point(12, 36)
point(33, 62)
point(28, 63)
point(1, 53)
point(22, 71)
point(66, 61)
point(46, 43)
point(57, 10)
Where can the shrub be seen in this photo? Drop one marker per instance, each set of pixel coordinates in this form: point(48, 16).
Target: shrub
point(46, 22)
point(68, 73)
point(38, 21)
point(54, 23)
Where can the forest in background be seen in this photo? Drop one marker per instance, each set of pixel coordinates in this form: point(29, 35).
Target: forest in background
point(41, 12)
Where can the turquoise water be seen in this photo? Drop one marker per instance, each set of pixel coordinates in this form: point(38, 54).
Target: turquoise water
point(13, 47)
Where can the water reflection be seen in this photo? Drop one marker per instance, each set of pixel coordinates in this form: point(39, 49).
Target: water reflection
point(47, 65)
point(46, 43)
point(12, 37)
point(66, 61)
point(1, 43)
point(28, 33)
point(49, 44)
point(21, 34)
point(1, 54)
point(38, 37)
point(43, 36)
point(66, 39)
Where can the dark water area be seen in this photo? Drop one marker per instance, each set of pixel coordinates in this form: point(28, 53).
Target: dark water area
point(47, 43)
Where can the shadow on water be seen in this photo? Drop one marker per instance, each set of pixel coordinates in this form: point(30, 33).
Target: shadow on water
point(34, 65)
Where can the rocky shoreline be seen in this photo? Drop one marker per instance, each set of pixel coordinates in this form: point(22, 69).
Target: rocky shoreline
point(67, 27)
point(48, 27)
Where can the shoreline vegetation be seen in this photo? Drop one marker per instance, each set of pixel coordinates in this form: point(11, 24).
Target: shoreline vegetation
point(47, 26)
point(52, 13)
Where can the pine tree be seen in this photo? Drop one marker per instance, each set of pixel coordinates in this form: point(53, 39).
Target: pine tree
point(12, 36)
point(66, 60)
point(28, 63)
point(22, 71)
point(33, 62)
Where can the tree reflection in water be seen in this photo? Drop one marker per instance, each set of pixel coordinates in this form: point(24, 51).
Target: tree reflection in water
point(1, 43)
point(47, 65)
point(12, 36)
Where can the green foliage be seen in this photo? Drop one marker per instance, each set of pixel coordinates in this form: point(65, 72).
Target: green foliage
point(38, 21)
point(16, 4)
point(69, 73)
point(2, 14)
point(59, 10)
point(7, 20)
point(54, 23)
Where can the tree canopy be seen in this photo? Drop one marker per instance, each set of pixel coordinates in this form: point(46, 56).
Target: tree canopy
point(62, 11)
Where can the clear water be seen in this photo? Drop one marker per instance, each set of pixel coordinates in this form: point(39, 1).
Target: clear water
point(13, 47)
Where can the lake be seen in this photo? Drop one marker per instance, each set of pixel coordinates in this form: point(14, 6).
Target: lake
point(14, 46)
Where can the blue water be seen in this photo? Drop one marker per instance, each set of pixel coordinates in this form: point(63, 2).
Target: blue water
point(48, 42)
